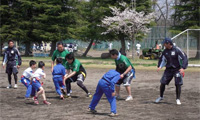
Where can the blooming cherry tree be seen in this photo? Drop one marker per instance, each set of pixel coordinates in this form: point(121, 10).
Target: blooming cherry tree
point(129, 22)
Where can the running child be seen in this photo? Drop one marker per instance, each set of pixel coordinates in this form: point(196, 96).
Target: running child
point(25, 79)
point(37, 76)
point(58, 76)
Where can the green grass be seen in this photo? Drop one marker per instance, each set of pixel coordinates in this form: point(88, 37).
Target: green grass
point(99, 61)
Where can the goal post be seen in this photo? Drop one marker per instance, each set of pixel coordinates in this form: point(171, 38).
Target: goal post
point(187, 36)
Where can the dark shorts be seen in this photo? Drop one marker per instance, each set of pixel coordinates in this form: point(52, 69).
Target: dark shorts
point(75, 78)
point(11, 67)
point(126, 80)
point(168, 76)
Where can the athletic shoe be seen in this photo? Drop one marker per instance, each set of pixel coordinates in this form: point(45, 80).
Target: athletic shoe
point(47, 103)
point(9, 86)
point(36, 100)
point(63, 91)
point(118, 97)
point(92, 111)
point(70, 91)
point(68, 96)
point(89, 95)
point(129, 98)
point(178, 102)
point(159, 99)
point(15, 86)
point(113, 114)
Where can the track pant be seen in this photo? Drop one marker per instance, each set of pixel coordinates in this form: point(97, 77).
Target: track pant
point(30, 90)
point(103, 87)
point(58, 82)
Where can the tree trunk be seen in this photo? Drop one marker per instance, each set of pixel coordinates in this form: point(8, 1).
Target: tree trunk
point(88, 48)
point(28, 50)
point(123, 46)
point(198, 47)
point(1, 46)
point(53, 47)
point(133, 47)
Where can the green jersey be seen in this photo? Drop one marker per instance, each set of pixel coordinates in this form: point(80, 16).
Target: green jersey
point(75, 66)
point(58, 54)
point(125, 60)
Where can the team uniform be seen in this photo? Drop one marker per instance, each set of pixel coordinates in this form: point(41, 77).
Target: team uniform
point(12, 59)
point(174, 59)
point(58, 74)
point(79, 76)
point(130, 75)
point(36, 79)
point(25, 79)
point(58, 54)
point(106, 85)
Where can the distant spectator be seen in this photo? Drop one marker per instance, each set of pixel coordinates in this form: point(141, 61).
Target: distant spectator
point(138, 48)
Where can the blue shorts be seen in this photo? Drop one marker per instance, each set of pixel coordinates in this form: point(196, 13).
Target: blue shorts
point(36, 84)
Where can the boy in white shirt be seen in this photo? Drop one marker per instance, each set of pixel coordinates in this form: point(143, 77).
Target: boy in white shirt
point(37, 76)
point(25, 79)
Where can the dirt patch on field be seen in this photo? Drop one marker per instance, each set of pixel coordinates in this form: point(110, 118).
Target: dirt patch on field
point(145, 89)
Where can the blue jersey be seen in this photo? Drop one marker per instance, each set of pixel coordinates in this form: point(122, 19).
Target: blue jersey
point(58, 71)
point(112, 77)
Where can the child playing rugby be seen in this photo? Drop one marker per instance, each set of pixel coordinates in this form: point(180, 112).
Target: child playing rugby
point(25, 79)
point(58, 75)
point(37, 76)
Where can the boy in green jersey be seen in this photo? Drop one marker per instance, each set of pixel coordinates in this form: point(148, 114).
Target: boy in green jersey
point(126, 76)
point(78, 74)
point(59, 53)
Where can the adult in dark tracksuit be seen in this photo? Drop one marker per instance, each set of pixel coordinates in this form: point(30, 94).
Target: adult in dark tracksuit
point(106, 85)
point(175, 61)
point(12, 60)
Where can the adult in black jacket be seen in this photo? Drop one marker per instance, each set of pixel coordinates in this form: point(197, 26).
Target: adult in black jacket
point(175, 61)
point(12, 60)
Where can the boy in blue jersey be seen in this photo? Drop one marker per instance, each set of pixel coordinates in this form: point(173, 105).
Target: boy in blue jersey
point(58, 75)
point(106, 85)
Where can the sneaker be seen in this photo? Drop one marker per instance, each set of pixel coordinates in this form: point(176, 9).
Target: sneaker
point(15, 86)
point(178, 102)
point(113, 114)
point(9, 86)
point(36, 100)
point(118, 97)
point(68, 96)
point(129, 98)
point(89, 95)
point(47, 103)
point(159, 99)
point(70, 91)
point(92, 111)
point(63, 91)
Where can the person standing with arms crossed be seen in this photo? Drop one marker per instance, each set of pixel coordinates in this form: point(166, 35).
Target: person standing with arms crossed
point(12, 61)
point(175, 61)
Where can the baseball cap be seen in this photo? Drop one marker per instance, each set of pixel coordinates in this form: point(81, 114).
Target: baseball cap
point(167, 40)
